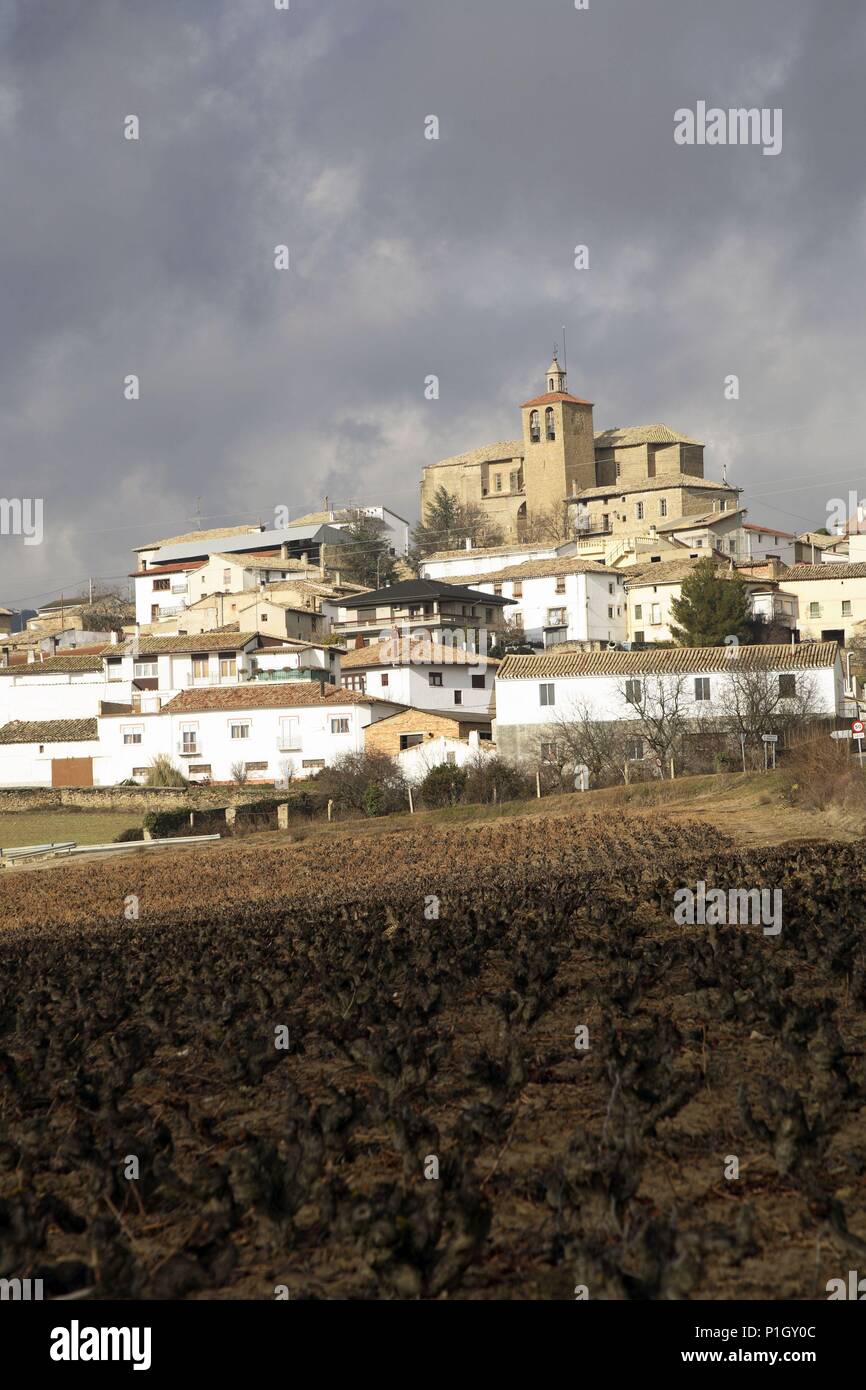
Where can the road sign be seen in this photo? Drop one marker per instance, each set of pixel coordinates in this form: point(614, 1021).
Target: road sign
point(857, 728)
point(770, 738)
point(841, 733)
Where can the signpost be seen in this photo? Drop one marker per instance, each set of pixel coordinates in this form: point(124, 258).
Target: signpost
point(857, 733)
point(769, 741)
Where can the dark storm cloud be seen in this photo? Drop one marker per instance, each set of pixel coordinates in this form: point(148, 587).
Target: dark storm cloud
point(409, 256)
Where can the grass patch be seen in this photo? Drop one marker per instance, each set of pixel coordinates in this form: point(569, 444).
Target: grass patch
point(47, 827)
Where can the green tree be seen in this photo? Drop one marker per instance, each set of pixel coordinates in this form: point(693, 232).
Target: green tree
point(444, 785)
point(367, 558)
point(713, 605)
point(447, 523)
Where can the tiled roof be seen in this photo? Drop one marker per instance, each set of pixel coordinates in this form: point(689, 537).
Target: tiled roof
point(422, 653)
point(213, 534)
point(176, 567)
point(661, 660)
point(484, 551)
point(53, 664)
point(768, 530)
point(539, 569)
point(49, 731)
point(550, 396)
point(686, 523)
point(225, 640)
point(630, 435)
point(417, 590)
point(835, 570)
point(252, 695)
point(621, 489)
point(669, 571)
point(503, 452)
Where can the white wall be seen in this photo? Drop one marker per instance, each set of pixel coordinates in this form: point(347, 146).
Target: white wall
point(417, 761)
point(587, 600)
point(311, 738)
point(58, 696)
point(24, 765)
point(476, 562)
point(410, 685)
point(519, 701)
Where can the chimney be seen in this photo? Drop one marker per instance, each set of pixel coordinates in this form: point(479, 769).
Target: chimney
point(775, 568)
point(359, 641)
point(284, 550)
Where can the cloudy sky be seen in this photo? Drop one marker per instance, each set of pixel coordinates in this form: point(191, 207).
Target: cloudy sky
point(408, 256)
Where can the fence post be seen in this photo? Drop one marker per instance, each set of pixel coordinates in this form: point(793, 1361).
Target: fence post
point(411, 802)
point(538, 784)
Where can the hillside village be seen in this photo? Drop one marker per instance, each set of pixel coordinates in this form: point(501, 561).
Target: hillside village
point(545, 632)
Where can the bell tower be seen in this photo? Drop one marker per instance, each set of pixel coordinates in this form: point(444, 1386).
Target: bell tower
point(558, 444)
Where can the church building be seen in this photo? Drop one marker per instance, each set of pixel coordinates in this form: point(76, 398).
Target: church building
point(619, 482)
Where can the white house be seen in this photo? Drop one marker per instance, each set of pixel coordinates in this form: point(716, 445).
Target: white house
point(270, 729)
point(422, 673)
point(159, 667)
point(60, 687)
point(534, 693)
point(417, 759)
point(474, 561)
point(561, 600)
point(51, 753)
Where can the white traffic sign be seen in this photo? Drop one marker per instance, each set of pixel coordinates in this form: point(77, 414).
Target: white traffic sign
point(857, 728)
point(841, 733)
point(770, 738)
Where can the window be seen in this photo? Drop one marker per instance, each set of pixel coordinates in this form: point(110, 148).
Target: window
point(435, 678)
point(132, 733)
point(633, 692)
point(289, 732)
point(555, 617)
point(550, 423)
point(410, 740)
point(339, 726)
point(634, 750)
point(550, 383)
point(814, 610)
point(656, 614)
point(488, 615)
point(200, 667)
point(227, 578)
point(154, 612)
point(239, 728)
point(144, 670)
point(605, 521)
point(497, 589)
point(610, 610)
point(497, 482)
point(312, 762)
point(702, 687)
point(638, 611)
point(787, 687)
point(255, 767)
point(517, 589)
point(477, 682)
point(139, 771)
point(638, 637)
point(638, 510)
point(189, 738)
point(610, 587)
point(547, 694)
point(846, 608)
point(663, 506)
point(458, 697)
point(560, 583)
point(534, 427)
point(228, 665)
point(384, 679)
point(161, 585)
point(115, 668)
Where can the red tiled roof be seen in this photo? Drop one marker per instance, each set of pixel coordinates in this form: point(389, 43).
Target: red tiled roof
point(550, 396)
point(267, 695)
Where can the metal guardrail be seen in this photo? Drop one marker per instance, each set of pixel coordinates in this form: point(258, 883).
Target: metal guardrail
point(20, 853)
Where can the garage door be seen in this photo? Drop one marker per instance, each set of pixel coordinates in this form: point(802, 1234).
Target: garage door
point(72, 772)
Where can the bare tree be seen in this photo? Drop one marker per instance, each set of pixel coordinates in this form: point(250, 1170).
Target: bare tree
point(576, 738)
point(659, 706)
point(553, 524)
point(756, 702)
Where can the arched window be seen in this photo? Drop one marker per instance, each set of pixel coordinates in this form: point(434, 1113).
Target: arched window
point(550, 386)
point(534, 427)
point(549, 422)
